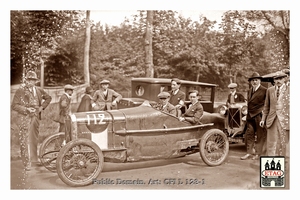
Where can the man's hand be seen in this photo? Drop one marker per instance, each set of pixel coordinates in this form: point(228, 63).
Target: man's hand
point(181, 119)
point(31, 110)
point(114, 103)
point(40, 109)
point(261, 123)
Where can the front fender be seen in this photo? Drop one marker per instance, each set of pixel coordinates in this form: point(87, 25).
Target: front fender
point(216, 118)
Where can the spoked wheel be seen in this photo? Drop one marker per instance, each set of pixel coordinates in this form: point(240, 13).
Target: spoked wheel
point(49, 150)
point(214, 147)
point(79, 162)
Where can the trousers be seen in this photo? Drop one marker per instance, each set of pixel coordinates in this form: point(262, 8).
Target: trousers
point(256, 136)
point(277, 140)
point(28, 139)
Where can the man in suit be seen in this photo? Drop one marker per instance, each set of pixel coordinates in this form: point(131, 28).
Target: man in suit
point(105, 98)
point(85, 103)
point(255, 134)
point(29, 101)
point(65, 111)
point(177, 97)
point(195, 110)
point(276, 116)
point(234, 97)
point(164, 104)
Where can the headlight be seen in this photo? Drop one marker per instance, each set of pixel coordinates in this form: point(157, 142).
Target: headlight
point(244, 110)
point(223, 110)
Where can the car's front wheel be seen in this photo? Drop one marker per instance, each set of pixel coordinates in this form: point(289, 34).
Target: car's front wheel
point(214, 147)
point(79, 162)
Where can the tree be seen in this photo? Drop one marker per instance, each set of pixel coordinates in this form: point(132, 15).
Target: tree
point(34, 36)
point(148, 45)
point(236, 43)
point(277, 24)
point(87, 48)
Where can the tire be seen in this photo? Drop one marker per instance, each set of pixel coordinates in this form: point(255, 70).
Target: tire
point(214, 147)
point(79, 162)
point(49, 150)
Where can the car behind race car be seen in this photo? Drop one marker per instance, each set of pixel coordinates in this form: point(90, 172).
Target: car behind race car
point(129, 135)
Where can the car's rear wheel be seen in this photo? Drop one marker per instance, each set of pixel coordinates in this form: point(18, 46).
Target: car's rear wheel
point(214, 147)
point(49, 150)
point(79, 162)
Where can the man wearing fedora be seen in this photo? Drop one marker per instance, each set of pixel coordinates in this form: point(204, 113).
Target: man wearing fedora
point(105, 98)
point(29, 101)
point(234, 96)
point(85, 103)
point(255, 134)
point(276, 116)
point(164, 104)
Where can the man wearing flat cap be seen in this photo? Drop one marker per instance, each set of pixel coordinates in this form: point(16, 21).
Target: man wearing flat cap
point(255, 134)
point(287, 79)
point(85, 103)
point(105, 98)
point(234, 97)
point(276, 117)
point(29, 101)
point(164, 104)
point(65, 107)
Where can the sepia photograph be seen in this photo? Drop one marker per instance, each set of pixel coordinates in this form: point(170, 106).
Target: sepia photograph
point(170, 99)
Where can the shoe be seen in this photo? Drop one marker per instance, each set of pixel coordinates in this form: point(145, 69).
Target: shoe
point(245, 156)
point(27, 168)
point(255, 157)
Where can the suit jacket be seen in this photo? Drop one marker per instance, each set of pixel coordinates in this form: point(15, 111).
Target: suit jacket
point(194, 113)
point(100, 100)
point(169, 108)
point(64, 107)
point(174, 99)
point(238, 97)
point(277, 108)
point(256, 101)
point(21, 101)
point(85, 104)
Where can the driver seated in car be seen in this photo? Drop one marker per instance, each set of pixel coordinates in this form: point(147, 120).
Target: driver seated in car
point(164, 104)
point(195, 110)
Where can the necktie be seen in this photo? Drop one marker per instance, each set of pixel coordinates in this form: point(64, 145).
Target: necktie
point(277, 93)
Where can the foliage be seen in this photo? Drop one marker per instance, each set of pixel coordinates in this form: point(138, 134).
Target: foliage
point(34, 36)
point(247, 41)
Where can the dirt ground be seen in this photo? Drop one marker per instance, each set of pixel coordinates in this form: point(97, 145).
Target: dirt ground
point(185, 173)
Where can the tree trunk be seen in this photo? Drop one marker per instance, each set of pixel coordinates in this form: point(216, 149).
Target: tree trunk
point(87, 49)
point(148, 45)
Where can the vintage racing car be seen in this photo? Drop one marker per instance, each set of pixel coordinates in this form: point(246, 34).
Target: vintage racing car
point(129, 135)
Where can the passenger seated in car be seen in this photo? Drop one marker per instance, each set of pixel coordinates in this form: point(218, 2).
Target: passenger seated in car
point(164, 104)
point(194, 112)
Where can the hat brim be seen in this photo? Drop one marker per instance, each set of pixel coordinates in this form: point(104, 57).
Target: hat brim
point(258, 77)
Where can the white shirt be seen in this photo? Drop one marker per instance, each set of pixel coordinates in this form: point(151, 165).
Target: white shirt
point(175, 92)
point(254, 89)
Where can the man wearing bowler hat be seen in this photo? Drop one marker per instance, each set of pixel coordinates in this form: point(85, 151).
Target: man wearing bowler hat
point(255, 134)
point(29, 101)
point(164, 104)
point(105, 98)
point(234, 96)
point(276, 116)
